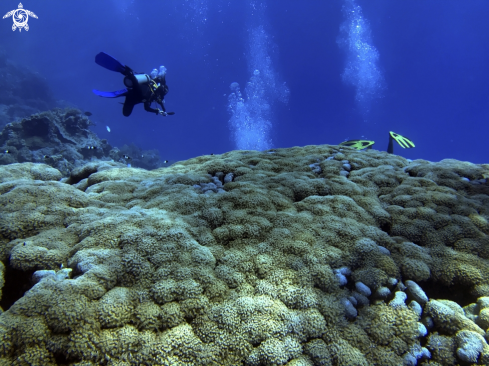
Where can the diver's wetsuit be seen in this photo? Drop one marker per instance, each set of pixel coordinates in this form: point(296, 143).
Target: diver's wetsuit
point(390, 147)
point(144, 94)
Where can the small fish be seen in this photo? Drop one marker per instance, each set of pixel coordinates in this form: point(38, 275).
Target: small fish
point(108, 128)
point(165, 161)
point(46, 156)
point(88, 114)
point(126, 157)
point(6, 151)
point(91, 147)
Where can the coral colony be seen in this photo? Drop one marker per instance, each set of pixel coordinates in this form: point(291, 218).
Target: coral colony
point(317, 255)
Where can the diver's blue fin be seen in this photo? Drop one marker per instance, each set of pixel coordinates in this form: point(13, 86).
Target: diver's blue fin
point(109, 62)
point(113, 94)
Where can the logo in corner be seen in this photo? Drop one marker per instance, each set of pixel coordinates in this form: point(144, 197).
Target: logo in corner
point(20, 17)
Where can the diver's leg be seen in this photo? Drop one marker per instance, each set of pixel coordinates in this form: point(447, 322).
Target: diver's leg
point(127, 109)
point(128, 106)
point(131, 100)
point(127, 71)
point(390, 147)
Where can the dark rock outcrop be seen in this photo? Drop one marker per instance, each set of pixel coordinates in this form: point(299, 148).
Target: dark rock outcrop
point(63, 140)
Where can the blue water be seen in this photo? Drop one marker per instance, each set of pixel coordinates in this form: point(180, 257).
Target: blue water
point(309, 72)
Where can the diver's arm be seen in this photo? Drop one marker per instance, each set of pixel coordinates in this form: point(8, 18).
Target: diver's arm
point(162, 104)
point(160, 95)
point(147, 107)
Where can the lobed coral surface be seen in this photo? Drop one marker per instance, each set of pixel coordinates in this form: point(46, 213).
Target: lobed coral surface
point(317, 255)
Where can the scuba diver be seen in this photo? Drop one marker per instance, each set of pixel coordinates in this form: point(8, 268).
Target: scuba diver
point(404, 142)
point(140, 87)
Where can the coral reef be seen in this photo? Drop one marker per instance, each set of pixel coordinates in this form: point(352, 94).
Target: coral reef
point(146, 159)
point(63, 140)
point(317, 255)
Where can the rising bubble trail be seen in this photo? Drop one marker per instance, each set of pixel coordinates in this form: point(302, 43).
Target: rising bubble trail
point(251, 117)
point(362, 64)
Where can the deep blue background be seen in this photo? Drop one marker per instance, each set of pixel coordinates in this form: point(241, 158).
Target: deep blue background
point(434, 55)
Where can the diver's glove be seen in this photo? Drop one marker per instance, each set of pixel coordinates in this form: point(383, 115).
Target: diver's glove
point(163, 113)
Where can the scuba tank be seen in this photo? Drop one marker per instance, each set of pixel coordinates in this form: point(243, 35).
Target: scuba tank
point(141, 79)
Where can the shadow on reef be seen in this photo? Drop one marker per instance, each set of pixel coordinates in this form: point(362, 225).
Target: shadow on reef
point(17, 282)
point(62, 139)
point(23, 92)
point(458, 293)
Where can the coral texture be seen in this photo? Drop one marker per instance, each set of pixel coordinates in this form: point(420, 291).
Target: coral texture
point(246, 258)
